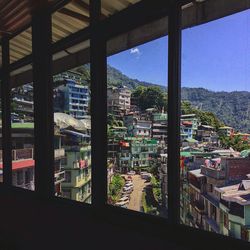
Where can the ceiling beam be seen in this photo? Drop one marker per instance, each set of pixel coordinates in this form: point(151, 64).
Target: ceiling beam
point(84, 6)
point(75, 15)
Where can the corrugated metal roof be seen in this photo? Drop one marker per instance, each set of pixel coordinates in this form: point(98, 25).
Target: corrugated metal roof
point(15, 15)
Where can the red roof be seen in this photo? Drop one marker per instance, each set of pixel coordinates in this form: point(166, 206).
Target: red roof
point(21, 164)
point(187, 123)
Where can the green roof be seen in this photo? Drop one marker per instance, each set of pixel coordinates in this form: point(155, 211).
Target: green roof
point(114, 127)
point(22, 125)
point(191, 140)
point(186, 154)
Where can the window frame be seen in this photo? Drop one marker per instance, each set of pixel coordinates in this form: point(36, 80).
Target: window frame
point(99, 32)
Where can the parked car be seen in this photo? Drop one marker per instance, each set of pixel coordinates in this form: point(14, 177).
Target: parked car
point(121, 204)
point(124, 194)
point(128, 189)
point(124, 199)
point(131, 172)
point(128, 182)
point(146, 176)
point(129, 185)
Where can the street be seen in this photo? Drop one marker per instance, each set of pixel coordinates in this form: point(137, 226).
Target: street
point(136, 195)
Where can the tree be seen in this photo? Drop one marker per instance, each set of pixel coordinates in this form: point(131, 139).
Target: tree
point(150, 97)
point(206, 118)
point(235, 142)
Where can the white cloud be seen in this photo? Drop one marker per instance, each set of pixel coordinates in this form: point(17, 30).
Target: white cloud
point(135, 51)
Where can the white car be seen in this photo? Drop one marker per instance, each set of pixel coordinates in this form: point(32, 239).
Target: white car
point(121, 204)
point(131, 172)
point(124, 199)
point(128, 189)
point(146, 176)
point(129, 184)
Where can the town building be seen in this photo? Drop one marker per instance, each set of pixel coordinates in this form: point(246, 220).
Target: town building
point(22, 104)
point(208, 189)
point(71, 97)
point(206, 133)
point(159, 126)
point(189, 126)
point(235, 209)
point(137, 126)
point(77, 167)
point(136, 153)
point(23, 163)
point(225, 131)
point(118, 99)
point(163, 175)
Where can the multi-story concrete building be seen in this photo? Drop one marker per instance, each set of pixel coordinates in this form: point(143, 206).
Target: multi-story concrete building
point(189, 126)
point(225, 131)
point(136, 153)
point(22, 104)
point(118, 100)
point(137, 127)
point(206, 133)
point(77, 184)
point(235, 210)
point(71, 97)
point(159, 126)
point(23, 163)
point(216, 192)
point(163, 174)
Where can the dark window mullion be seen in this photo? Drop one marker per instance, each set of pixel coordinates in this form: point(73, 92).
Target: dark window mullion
point(98, 66)
point(6, 114)
point(43, 104)
point(174, 100)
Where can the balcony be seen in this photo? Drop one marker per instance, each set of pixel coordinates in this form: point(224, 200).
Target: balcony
point(213, 172)
point(20, 154)
point(199, 206)
point(29, 186)
point(59, 153)
point(59, 177)
point(213, 224)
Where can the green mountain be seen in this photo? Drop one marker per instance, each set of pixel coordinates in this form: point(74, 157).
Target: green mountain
point(117, 78)
point(232, 108)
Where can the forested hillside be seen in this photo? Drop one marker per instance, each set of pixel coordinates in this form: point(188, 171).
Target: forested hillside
point(232, 108)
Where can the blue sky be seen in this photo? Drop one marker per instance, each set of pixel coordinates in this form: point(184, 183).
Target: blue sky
point(215, 56)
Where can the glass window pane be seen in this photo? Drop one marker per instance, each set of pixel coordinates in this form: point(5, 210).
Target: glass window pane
point(72, 134)
point(1, 158)
point(215, 126)
point(137, 126)
point(22, 128)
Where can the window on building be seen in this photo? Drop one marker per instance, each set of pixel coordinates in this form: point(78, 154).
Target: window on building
point(22, 133)
point(72, 133)
point(67, 176)
point(215, 98)
point(142, 177)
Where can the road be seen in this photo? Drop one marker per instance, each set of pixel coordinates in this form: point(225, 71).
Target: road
point(136, 195)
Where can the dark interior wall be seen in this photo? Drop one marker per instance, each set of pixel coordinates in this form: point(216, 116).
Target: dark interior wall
point(26, 223)
point(29, 223)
